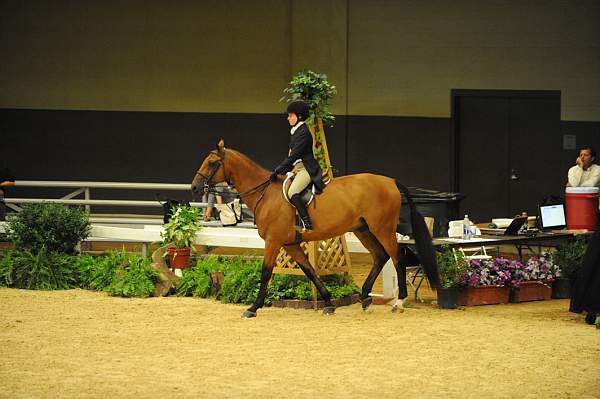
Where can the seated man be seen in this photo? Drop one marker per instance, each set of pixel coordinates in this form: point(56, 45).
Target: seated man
point(586, 173)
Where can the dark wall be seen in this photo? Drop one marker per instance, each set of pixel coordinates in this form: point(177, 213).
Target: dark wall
point(416, 151)
point(167, 147)
point(157, 147)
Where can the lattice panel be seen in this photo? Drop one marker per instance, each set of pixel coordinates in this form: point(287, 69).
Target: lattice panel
point(331, 257)
point(320, 144)
point(286, 265)
point(327, 257)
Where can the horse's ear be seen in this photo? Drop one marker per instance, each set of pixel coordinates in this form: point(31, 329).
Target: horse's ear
point(221, 146)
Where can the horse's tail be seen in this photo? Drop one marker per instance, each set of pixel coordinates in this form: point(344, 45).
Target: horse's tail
point(422, 240)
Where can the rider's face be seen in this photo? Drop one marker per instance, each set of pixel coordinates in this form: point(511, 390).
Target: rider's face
point(292, 119)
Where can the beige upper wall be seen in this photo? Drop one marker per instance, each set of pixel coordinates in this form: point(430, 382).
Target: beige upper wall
point(405, 56)
point(196, 56)
point(385, 57)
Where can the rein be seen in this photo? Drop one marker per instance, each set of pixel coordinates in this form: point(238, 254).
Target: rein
point(208, 188)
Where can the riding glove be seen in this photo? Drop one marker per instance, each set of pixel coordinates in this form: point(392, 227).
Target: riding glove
point(273, 177)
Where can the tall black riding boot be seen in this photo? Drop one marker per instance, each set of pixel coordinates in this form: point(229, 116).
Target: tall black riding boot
point(297, 202)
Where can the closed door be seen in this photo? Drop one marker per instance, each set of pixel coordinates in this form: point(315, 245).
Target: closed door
point(508, 152)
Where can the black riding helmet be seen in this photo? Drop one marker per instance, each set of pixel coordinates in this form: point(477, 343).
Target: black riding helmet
point(300, 108)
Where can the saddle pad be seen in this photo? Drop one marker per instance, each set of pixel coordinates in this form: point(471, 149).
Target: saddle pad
point(306, 195)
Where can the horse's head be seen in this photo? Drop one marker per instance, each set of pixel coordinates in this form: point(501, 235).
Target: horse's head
point(212, 170)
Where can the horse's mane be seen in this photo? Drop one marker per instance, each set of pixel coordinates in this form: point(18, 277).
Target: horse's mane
point(247, 159)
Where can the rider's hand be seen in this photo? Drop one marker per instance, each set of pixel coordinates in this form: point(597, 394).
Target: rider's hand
point(273, 177)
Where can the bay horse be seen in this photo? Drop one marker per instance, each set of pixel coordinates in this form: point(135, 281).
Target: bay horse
point(366, 204)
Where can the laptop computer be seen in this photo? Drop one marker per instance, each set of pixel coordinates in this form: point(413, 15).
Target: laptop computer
point(514, 226)
point(512, 229)
point(552, 217)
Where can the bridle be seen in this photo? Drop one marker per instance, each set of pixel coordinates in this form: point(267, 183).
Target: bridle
point(214, 168)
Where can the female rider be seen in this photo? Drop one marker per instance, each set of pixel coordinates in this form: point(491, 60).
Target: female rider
point(300, 161)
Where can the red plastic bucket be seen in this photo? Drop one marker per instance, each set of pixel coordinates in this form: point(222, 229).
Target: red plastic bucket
point(582, 207)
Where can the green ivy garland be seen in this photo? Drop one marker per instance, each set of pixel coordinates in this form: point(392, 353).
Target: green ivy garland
point(316, 91)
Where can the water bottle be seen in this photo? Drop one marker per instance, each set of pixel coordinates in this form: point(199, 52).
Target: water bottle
point(466, 235)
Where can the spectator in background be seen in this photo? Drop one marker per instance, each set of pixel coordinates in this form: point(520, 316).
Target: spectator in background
point(585, 173)
point(7, 179)
point(222, 195)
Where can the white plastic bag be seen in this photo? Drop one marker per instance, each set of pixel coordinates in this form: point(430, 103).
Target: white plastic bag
point(230, 213)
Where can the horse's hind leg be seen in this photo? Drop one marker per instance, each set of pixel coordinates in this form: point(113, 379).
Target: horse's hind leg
point(295, 251)
point(398, 305)
point(387, 238)
point(379, 258)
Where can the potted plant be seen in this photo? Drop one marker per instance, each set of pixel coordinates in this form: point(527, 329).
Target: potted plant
point(451, 266)
point(487, 281)
point(179, 235)
point(532, 280)
point(568, 258)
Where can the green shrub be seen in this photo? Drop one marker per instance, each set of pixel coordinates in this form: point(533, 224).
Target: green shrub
point(241, 282)
point(98, 273)
point(135, 277)
point(340, 285)
point(51, 226)
point(6, 268)
point(299, 287)
point(286, 286)
point(118, 273)
point(451, 265)
point(196, 281)
point(569, 255)
point(41, 270)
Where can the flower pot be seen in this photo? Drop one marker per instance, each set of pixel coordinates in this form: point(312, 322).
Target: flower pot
point(179, 258)
point(483, 295)
point(447, 298)
point(561, 288)
point(531, 291)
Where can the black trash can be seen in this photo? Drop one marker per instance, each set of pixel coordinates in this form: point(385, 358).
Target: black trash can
point(442, 206)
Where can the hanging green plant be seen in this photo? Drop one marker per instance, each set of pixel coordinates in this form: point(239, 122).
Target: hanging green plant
point(316, 91)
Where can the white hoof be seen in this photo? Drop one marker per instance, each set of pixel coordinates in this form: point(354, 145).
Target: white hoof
point(397, 306)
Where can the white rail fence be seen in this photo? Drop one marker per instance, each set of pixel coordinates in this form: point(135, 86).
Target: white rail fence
point(83, 188)
point(143, 229)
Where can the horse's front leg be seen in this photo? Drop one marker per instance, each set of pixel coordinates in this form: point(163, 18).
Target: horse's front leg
point(270, 257)
point(296, 252)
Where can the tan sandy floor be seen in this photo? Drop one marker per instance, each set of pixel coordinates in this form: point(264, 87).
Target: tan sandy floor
point(80, 344)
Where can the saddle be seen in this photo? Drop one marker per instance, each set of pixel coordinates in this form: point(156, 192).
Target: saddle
point(308, 194)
